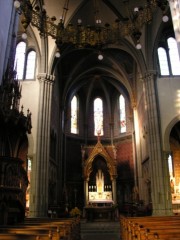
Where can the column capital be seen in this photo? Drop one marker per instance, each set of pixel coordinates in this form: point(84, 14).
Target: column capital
point(45, 77)
point(134, 105)
point(149, 74)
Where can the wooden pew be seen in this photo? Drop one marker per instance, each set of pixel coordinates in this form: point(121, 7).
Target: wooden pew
point(8, 236)
point(148, 228)
point(32, 229)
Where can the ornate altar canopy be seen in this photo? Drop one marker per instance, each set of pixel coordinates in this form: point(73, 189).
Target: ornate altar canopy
point(99, 172)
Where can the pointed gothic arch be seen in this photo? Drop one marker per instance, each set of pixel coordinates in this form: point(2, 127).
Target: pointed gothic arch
point(99, 150)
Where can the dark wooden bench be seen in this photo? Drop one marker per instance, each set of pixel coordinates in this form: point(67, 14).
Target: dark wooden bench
point(8, 236)
point(32, 229)
point(148, 228)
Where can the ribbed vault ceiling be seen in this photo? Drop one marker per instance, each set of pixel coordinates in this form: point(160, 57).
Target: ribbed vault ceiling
point(80, 69)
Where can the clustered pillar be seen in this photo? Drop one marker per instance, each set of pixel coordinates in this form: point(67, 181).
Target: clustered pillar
point(158, 165)
point(40, 165)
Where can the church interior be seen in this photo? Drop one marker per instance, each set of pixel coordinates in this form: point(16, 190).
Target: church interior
point(89, 109)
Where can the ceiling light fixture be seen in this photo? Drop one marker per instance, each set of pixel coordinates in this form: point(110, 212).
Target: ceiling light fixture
point(57, 54)
point(100, 57)
point(97, 35)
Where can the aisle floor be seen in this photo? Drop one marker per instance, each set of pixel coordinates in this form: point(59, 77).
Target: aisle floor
point(100, 230)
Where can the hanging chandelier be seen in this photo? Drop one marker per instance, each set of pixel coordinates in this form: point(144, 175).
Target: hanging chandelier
point(98, 35)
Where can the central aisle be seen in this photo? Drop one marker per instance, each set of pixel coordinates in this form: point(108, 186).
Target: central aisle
point(100, 230)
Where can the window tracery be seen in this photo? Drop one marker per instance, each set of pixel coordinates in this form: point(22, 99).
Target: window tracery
point(168, 57)
point(25, 62)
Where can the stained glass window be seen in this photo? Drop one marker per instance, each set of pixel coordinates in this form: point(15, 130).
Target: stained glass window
point(98, 117)
point(122, 114)
point(74, 117)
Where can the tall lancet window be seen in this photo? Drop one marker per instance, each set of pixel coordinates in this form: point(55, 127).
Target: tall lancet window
point(98, 117)
point(122, 112)
point(20, 59)
point(30, 67)
point(163, 62)
point(168, 56)
point(174, 56)
point(25, 62)
point(74, 115)
point(170, 165)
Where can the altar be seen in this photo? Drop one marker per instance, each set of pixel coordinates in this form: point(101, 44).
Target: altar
point(100, 202)
point(102, 213)
point(100, 196)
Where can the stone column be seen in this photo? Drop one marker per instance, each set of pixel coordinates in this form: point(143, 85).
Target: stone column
point(167, 178)
point(136, 149)
point(111, 125)
point(40, 168)
point(85, 133)
point(114, 190)
point(85, 192)
point(158, 167)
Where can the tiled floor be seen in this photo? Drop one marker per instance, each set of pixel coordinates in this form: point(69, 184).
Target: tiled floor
point(100, 230)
